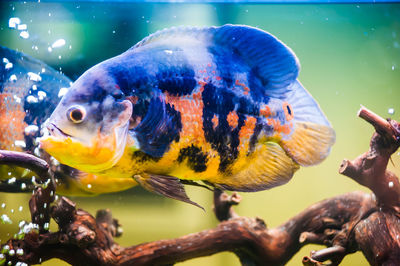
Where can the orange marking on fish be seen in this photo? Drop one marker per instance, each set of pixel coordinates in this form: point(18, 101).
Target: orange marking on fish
point(247, 130)
point(215, 121)
point(286, 107)
point(202, 84)
point(245, 88)
point(266, 111)
point(278, 127)
point(209, 64)
point(218, 78)
point(191, 110)
point(213, 72)
point(232, 119)
point(12, 125)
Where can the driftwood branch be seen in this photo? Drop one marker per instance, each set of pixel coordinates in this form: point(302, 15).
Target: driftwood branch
point(345, 224)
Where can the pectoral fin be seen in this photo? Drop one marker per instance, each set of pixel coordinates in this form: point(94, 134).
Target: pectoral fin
point(167, 186)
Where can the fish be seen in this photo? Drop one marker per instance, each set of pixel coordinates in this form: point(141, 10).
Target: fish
point(29, 92)
point(219, 106)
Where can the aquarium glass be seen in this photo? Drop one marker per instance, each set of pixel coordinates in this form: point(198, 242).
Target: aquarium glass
point(349, 55)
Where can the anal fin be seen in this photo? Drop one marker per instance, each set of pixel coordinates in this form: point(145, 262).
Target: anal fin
point(267, 167)
point(167, 186)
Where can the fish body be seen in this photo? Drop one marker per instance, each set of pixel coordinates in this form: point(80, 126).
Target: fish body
point(217, 104)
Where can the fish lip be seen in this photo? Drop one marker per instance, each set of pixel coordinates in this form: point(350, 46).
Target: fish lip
point(55, 131)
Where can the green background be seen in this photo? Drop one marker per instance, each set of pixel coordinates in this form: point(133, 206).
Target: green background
point(350, 56)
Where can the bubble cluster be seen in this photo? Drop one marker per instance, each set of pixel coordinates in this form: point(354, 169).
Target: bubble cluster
point(15, 23)
point(4, 219)
point(25, 228)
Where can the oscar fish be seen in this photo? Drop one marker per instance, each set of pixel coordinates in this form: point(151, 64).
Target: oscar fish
point(221, 105)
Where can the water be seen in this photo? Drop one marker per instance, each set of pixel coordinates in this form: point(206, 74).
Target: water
point(350, 55)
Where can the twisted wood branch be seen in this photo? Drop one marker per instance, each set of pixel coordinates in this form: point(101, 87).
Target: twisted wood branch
point(345, 224)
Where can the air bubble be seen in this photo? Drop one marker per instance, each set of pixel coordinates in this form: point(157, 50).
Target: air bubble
point(5, 219)
point(9, 66)
point(12, 180)
point(32, 99)
point(5, 60)
point(24, 34)
point(11, 252)
point(34, 77)
point(17, 99)
point(46, 226)
point(20, 208)
point(31, 129)
point(41, 95)
point(13, 78)
point(23, 186)
point(62, 92)
point(391, 111)
point(89, 186)
point(390, 184)
point(54, 161)
point(22, 27)
point(20, 143)
point(5, 249)
point(49, 49)
point(13, 22)
point(58, 43)
point(3, 205)
point(20, 252)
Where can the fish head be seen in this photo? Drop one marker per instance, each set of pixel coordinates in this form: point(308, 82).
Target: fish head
point(89, 127)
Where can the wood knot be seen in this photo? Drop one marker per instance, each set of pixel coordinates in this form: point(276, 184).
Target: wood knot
point(260, 224)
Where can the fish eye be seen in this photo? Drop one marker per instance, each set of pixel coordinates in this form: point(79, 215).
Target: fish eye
point(76, 114)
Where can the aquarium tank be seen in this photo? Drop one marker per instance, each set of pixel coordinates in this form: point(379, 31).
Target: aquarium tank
point(349, 52)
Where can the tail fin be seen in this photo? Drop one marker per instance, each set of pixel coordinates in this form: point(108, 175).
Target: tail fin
point(313, 135)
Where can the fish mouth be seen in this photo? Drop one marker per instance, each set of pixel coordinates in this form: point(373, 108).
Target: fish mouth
point(56, 131)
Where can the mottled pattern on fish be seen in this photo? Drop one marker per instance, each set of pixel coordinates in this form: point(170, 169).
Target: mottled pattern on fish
point(218, 104)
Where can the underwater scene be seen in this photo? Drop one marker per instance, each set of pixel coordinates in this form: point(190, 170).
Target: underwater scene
point(346, 55)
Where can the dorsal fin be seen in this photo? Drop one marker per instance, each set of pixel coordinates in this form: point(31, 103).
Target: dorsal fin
point(272, 61)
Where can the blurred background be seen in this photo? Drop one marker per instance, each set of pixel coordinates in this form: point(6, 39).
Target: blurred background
point(350, 56)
